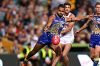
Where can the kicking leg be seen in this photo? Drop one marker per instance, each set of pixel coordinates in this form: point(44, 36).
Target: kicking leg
point(35, 50)
point(97, 52)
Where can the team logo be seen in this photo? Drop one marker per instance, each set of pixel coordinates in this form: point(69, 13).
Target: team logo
point(55, 28)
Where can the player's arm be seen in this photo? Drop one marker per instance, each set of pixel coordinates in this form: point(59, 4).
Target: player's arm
point(83, 27)
point(72, 18)
point(69, 26)
point(77, 19)
point(50, 20)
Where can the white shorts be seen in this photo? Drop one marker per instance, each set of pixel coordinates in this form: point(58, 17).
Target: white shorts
point(67, 39)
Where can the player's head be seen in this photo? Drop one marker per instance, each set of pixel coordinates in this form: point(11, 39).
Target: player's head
point(60, 10)
point(67, 7)
point(97, 7)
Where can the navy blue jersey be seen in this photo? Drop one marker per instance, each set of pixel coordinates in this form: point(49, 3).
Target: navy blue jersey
point(55, 29)
point(96, 25)
point(95, 36)
point(57, 25)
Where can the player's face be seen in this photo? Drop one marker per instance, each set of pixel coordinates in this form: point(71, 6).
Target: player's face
point(60, 11)
point(67, 8)
point(98, 9)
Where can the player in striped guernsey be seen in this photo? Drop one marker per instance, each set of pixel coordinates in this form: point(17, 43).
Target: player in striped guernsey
point(95, 35)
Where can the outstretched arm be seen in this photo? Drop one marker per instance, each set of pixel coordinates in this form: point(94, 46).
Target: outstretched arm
point(76, 19)
point(83, 27)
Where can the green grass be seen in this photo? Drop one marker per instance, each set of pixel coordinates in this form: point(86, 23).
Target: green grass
point(77, 45)
point(59, 64)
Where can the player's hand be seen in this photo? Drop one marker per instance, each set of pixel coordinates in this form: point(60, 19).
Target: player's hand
point(77, 19)
point(68, 19)
point(63, 32)
point(73, 19)
point(45, 29)
point(90, 17)
point(77, 32)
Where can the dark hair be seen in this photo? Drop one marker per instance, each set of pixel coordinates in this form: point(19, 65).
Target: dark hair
point(61, 5)
point(67, 4)
point(98, 3)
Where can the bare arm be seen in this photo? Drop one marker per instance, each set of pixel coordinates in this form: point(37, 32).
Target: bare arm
point(69, 26)
point(50, 20)
point(84, 26)
point(78, 18)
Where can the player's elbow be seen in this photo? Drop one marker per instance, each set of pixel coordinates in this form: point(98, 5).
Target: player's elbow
point(68, 30)
point(85, 26)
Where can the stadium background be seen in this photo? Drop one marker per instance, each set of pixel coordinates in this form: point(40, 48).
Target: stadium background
point(21, 22)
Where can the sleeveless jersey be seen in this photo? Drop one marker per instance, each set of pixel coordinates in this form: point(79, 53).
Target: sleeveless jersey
point(96, 25)
point(70, 33)
point(95, 36)
point(57, 25)
point(55, 29)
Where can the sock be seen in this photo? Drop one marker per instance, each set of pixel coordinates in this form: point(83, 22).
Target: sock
point(96, 60)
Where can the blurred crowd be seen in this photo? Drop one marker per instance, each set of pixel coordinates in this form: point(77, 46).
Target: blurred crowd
point(21, 21)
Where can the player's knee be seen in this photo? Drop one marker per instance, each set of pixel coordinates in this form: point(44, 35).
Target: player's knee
point(58, 51)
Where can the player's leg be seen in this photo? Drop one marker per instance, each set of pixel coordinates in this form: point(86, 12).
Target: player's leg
point(66, 50)
point(65, 53)
point(35, 50)
point(58, 51)
point(94, 43)
point(55, 60)
point(43, 40)
point(66, 44)
point(92, 53)
point(97, 47)
point(97, 53)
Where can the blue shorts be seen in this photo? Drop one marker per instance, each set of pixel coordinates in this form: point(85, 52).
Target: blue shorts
point(45, 38)
point(94, 40)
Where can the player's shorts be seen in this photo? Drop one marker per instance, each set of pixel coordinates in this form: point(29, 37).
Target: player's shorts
point(45, 38)
point(94, 40)
point(67, 39)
